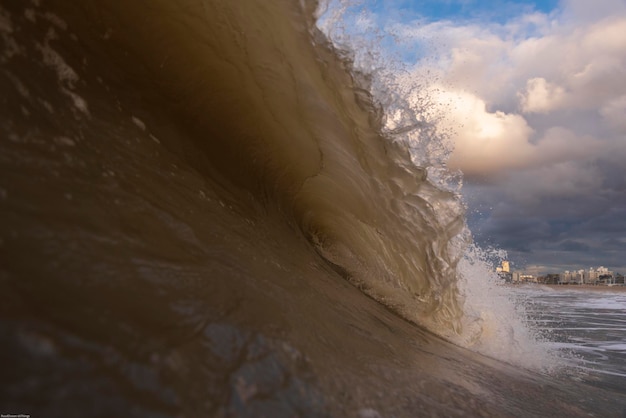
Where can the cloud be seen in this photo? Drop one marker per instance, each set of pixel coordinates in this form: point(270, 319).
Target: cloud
point(535, 107)
point(485, 142)
point(556, 182)
point(581, 11)
point(572, 245)
point(488, 143)
point(572, 68)
point(540, 96)
point(614, 114)
point(537, 91)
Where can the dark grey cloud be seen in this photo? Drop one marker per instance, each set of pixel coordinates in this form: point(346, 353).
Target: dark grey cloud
point(555, 233)
point(573, 246)
point(542, 222)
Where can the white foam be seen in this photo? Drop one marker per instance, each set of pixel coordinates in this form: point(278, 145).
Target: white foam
point(30, 15)
point(138, 122)
point(614, 347)
point(55, 20)
point(79, 103)
point(46, 105)
point(64, 141)
point(65, 74)
point(494, 324)
point(608, 303)
point(6, 30)
point(6, 26)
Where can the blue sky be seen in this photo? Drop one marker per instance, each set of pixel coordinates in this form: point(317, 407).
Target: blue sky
point(533, 98)
point(492, 10)
point(387, 13)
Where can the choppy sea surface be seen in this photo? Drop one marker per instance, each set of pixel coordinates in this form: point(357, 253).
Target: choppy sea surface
point(587, 326)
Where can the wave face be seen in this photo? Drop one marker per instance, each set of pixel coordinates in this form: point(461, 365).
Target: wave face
point(196, 198)
point(269, 108)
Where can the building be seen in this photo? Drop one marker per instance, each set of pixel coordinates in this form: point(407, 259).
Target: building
point(521, 277)
point(504, 272)
point(591, 276)
point(572, 277)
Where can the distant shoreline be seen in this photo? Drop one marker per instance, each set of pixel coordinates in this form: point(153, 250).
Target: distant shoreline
point(584, 287)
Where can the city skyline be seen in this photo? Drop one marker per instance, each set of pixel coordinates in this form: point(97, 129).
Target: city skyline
point(507, 267)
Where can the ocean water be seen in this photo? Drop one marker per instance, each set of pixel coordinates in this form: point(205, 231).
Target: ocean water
point(587, 327)
point(208, 208)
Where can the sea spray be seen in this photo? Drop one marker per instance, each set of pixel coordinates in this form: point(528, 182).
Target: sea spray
point(495, 322)
point(410, 113)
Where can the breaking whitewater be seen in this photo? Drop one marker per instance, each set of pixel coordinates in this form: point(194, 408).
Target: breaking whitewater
point(212, 208)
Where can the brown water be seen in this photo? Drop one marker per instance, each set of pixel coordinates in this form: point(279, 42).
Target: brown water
point(199, 217)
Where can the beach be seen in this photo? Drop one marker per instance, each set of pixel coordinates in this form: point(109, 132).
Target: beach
point(586, 287)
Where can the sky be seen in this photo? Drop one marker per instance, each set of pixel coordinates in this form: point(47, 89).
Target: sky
point(533, 98)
